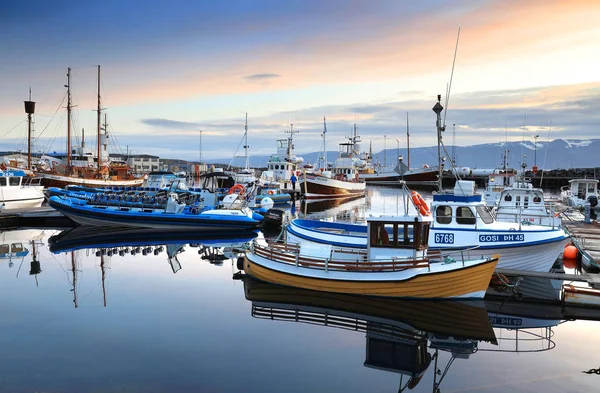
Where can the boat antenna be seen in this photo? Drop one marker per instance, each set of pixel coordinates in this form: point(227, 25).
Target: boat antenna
point(438, 108)
point(247, 163)
point(451, 75)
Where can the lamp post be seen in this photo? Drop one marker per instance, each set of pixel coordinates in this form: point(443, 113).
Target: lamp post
point(535, 168)
point(398, 147)
point(384, 151)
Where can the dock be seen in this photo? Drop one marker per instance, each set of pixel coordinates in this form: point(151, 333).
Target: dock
point(586, 237)
point(40, 217)
point(592, 279)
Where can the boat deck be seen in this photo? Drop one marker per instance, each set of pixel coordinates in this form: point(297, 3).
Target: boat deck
point(586, 237)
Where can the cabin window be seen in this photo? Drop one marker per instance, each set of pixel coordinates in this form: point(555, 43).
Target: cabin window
point(4, 249)
point(518, 201)
point(2, 181)
point(526, 201)
point(508, 198)
point(17, 247)
point(394, 235)
point(591, 187)
point(276, 166)
point(14, 181)
point(537, 198)
point(464, 215)
point(443, 214)
point(485, 214)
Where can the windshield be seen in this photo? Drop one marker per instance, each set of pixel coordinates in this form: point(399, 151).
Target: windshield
point(486, 214)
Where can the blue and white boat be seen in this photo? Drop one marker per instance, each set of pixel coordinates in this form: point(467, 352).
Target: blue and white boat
point(460, 220)
point(174, 215)
point(18, 191)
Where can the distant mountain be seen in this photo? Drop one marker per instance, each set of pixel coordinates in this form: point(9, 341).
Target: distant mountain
point(557, 154)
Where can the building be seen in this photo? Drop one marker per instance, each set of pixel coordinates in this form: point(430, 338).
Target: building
point(139, 163)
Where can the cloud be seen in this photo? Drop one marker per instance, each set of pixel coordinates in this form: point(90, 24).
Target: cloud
point(261, 77)
point(172, 124)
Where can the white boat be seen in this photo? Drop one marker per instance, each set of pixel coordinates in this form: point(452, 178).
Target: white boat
point(396, 263)
point(460, 220)
point(18, 191)
point(523, 203)
point(283, 164)
point(580, 191)
point(343, 181)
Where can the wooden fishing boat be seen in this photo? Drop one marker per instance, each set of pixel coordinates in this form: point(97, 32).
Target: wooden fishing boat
point(395, 264)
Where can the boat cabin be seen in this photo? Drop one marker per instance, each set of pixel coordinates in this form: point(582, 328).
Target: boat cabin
point(498, 182)
point(160, 179)
point(580, 191)
point(462, 208)
point(399, 237)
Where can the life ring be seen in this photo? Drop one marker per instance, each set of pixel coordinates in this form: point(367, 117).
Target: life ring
point(237, 189)
point(420, 203)
point(271, 192)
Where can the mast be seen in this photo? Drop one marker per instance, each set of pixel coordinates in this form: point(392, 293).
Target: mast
point(105, 129)
point(324, 144)
point(99, 111)
point(29, 109)
point(407, 143)
point(68, 86)
point(74, 278)
point(103, 276)
point(247, 163)
point(438, 108)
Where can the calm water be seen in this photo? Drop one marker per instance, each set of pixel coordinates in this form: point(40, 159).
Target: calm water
point(100, 323)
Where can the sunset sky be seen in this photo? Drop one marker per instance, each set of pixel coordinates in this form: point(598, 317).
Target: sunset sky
point(170, 69)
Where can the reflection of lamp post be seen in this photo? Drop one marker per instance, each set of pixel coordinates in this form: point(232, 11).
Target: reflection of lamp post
point(535, 168)
point(384, 151)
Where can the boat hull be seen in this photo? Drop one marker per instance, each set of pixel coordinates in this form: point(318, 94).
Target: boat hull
point(20, 198)
point(49, 180)
point(154, 219)
point(538, 254)
point(468, 281)
point(414, 176)
point(315, 187)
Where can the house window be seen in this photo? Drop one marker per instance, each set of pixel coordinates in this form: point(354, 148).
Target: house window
point(443, 214)
point(464, 215)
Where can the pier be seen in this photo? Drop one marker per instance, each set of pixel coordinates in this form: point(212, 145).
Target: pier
point(41, 217)
point(586, 237)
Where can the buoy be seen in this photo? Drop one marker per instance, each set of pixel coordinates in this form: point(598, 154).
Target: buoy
point(271, 192)
point(570, 263)
point(570, 252)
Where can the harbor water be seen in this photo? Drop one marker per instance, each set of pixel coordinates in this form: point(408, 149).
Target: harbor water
point(119, 311)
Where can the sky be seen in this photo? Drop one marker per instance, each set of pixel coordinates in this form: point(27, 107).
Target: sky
point(170, 69)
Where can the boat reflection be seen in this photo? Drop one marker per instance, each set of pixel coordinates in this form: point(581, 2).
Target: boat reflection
point(16, 245)
point(110, 241)
point(402, 336)
point(348, 209)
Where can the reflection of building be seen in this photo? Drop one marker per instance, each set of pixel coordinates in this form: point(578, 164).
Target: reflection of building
point(400, 334)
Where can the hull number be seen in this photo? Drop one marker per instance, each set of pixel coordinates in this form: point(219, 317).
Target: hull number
point(501, 238)
point(444, 238)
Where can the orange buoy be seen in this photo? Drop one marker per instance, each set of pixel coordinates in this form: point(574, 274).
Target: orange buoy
point(570, 263)
point(570, 252)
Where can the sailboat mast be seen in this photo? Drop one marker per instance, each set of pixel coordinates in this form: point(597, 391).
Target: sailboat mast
point(99, 156)
point(247, 163)
point(438, 108)
point(74, 278)
point(324, 144)
point(68, 86)
point(29, 109)
point(103, 276)
point(407, 143)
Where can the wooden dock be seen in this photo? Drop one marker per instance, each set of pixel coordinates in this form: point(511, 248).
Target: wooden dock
point(41, 217)
point(586, 237)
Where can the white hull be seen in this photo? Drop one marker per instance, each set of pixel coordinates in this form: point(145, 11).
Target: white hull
point(96, 183)
point(537, 257)
point(315, 187)
point(20, 198)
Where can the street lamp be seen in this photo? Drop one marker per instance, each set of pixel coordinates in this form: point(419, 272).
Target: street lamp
point(398, 146)
point(384, 151)
point(535, 168)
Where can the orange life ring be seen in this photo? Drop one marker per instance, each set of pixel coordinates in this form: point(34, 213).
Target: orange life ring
point(420, 203)
point(237, 189)
point(271, 192)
